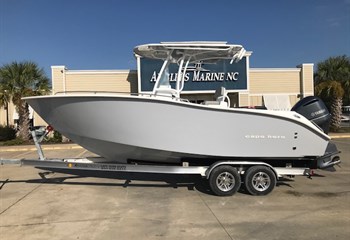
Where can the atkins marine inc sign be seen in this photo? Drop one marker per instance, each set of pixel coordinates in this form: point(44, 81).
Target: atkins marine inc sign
point(199, 77)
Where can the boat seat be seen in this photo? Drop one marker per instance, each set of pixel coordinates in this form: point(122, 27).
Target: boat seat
point(165, 91)
point(220, 96)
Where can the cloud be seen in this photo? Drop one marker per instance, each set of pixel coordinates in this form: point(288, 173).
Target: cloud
point(333, 22)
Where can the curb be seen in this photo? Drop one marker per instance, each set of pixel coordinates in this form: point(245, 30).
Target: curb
point(340, 136)
point(15, 149)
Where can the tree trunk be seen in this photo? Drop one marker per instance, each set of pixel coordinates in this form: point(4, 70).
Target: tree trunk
point(23, 121)
point(336, 112)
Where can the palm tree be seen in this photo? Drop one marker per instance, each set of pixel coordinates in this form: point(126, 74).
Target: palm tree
point(21, 80)
point(4, 101)
point(332, 82)
point(332, 92)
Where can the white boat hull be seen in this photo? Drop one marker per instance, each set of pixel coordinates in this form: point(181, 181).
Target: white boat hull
point(121, 128)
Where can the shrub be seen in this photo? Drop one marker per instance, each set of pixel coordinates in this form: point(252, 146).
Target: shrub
point(56, 138)
point(7, 133)
point(13, 142)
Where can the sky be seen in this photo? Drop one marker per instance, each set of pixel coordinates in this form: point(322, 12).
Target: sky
point(101, 34)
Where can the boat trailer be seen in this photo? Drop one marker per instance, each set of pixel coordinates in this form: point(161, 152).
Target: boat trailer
point(225, 177)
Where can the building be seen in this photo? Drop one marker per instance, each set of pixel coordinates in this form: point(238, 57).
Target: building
point(274, 88)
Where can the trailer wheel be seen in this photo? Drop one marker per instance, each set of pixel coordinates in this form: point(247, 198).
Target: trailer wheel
point(224, 180)
point(259, 180)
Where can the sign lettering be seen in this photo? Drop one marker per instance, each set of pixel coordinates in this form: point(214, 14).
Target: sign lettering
point(199, 76)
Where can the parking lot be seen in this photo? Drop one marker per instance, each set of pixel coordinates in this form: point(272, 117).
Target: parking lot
point(40, 205)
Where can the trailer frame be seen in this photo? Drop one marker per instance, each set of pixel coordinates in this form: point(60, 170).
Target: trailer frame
point(228, 174)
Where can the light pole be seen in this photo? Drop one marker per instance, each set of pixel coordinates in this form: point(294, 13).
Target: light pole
point(7, 113)
point(7, 108)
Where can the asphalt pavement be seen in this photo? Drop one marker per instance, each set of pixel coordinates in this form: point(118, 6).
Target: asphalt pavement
point(41, 205)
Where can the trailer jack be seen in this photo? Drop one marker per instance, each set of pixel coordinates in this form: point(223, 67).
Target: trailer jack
point(38, 134)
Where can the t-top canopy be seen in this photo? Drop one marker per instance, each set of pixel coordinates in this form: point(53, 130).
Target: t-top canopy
point(191, 51)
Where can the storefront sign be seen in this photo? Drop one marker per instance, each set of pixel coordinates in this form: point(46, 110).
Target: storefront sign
point(199, 77)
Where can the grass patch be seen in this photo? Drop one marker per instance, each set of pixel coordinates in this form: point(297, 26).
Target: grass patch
point(342, 130)
point(54, 139)
point(13, 142)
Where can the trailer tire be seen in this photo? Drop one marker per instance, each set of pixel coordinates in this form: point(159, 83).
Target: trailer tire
point(259, 180)
point(224, 180)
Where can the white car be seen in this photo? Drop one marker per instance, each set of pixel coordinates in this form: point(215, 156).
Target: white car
point(345, 118)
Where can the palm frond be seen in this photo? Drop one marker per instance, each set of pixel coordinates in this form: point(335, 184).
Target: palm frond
point(22, 79)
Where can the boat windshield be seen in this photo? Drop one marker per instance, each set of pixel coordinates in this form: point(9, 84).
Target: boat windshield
point(164, 78)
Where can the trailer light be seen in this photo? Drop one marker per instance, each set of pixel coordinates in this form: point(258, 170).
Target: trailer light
point(49, 128)
point(70, 165)
point(312, 172)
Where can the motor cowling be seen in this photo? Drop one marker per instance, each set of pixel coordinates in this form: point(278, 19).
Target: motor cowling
point(314, 109)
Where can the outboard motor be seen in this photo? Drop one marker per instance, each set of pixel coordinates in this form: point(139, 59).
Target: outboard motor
point(314, 109)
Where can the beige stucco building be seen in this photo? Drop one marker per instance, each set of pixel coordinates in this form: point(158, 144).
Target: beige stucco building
point(263, 84)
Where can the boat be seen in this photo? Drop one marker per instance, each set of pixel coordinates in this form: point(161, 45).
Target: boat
point(162, 127)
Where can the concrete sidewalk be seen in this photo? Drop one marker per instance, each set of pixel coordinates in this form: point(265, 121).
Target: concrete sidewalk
point(57, 146)
point(36, 204)
point(339, 135)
